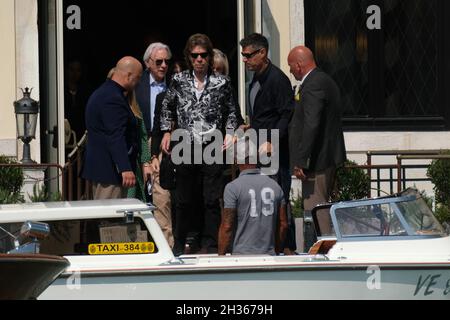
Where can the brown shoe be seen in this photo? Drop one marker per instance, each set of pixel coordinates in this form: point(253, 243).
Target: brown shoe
point(289, 252)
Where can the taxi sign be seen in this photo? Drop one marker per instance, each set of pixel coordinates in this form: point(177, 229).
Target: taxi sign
point(121, 248)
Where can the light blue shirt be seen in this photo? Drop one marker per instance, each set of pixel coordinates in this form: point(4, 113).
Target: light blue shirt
point(155, 89)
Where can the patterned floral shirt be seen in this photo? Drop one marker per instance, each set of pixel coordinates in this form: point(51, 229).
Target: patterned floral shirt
point(214, 110)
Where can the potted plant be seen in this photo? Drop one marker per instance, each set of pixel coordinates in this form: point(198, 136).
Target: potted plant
point(439, 173)
point(297, 212)
point(11, 182)
point(351, 183)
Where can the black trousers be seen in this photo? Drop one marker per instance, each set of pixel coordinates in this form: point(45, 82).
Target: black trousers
point(196, 183)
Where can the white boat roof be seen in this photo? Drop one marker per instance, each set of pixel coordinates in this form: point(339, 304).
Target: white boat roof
point(70, 210)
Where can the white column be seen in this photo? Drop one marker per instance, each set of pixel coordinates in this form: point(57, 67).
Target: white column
point(241, 66)
point(27, 60)
point(297, 23)
point(8, 144)
point(277, 28)
point(32, 178)
point(60, 76)
point(257, 5)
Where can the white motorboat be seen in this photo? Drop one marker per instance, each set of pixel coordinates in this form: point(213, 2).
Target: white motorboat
point(386, 248)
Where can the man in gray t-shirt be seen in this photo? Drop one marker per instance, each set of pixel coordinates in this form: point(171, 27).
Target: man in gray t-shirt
point(254, 217)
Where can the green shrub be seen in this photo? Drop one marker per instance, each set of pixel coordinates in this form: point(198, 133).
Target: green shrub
point(351, 183)
point(442, 213)
point(439, 173)
point(11, 182)
point(6, 197)
point(297, 206)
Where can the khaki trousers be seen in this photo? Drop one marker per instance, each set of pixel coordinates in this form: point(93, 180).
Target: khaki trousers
point(316, 189)
point(108, 191)
point(163, 204)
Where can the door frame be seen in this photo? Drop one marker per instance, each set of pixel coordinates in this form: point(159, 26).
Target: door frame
point(241, 67)
point(60, 80)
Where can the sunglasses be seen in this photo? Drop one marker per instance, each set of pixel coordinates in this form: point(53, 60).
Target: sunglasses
point(159, 62)
point(251, 54)
point(204, 55)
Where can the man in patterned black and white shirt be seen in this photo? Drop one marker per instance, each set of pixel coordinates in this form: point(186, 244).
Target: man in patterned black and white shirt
point(198, 102)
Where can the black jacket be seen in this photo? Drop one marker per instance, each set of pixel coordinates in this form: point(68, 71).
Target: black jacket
point(274, 105)
point(316, 140)
point(143, 98)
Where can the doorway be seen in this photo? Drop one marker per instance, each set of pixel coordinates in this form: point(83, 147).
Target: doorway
point(93, 35)
point(96, 36)
point(109, 32)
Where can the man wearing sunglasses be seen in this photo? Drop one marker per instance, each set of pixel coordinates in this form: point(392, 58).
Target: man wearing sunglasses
point(270, 106)
point(199, 103)
point(149, 94)
point(153, 82)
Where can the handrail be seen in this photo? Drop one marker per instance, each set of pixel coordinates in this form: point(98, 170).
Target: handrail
point(73, 167)
point(406, 155)
point(404, 152)
point(370, 167)
point(80, 144)
point(419, 157)
point(400, 159)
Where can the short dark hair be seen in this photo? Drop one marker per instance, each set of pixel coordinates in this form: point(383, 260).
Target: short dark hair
point(256, 40)
point(202, 40)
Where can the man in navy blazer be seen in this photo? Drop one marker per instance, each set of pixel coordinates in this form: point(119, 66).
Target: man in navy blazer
point(112, 145)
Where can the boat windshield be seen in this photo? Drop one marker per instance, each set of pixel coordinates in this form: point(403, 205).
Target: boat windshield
point(369, 221)
point(411, 217)
point(420, 218)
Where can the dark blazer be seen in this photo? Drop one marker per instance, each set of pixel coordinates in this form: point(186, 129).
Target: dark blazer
point(112, 135)
point(143, 91)
point(274, 105)
point(316, 140)
point(157, 134)
point(274, 102)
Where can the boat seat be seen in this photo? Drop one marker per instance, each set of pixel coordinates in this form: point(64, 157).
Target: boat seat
point(322, 246)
